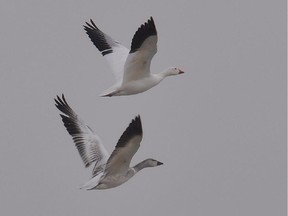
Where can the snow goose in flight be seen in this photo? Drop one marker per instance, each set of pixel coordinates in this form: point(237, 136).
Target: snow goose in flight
point(109, 171)
point(131, 68)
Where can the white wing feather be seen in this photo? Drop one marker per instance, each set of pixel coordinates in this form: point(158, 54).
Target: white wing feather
point(87, 142)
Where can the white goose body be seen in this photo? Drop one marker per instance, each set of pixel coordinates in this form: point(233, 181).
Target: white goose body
point(133, 87)
point(101, 182)
point(131, 68)
point(109, 171)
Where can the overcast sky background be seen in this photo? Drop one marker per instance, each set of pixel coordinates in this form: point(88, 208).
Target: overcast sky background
point(219, 129)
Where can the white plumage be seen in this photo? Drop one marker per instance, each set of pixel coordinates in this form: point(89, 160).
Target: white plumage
point(131, 68)
point(109, 171)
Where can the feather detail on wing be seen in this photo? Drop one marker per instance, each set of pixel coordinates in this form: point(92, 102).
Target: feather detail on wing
point(87, 142)
point(114, 52)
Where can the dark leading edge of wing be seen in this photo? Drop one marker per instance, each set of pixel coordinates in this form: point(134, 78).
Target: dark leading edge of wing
point(98, 38)
point(144, 31)
point(134, 129)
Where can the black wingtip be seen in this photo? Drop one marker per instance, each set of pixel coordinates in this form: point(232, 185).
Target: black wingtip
point(134, 129)
point(59, 101)
point(136, 126)
point(144, 31)
point(93, 23)
point(138, 118)
point(98, 38)
point(62, 105)
point(90, 26)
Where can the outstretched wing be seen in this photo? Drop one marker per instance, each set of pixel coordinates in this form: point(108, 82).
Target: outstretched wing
point(112, 50)
point(125, 149)
point(87, 142)
point(143, 48)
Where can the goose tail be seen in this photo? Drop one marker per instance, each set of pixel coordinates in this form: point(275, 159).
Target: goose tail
point(91, 184)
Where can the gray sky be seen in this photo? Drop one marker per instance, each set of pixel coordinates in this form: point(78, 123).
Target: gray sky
point(220, 128)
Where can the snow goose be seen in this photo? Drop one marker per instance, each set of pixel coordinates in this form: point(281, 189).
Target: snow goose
point(131, 68)
point(109, 171)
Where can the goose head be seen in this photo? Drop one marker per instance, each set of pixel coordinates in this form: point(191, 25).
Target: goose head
point(173, 71)
point(147, 163)
point(152, 162)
